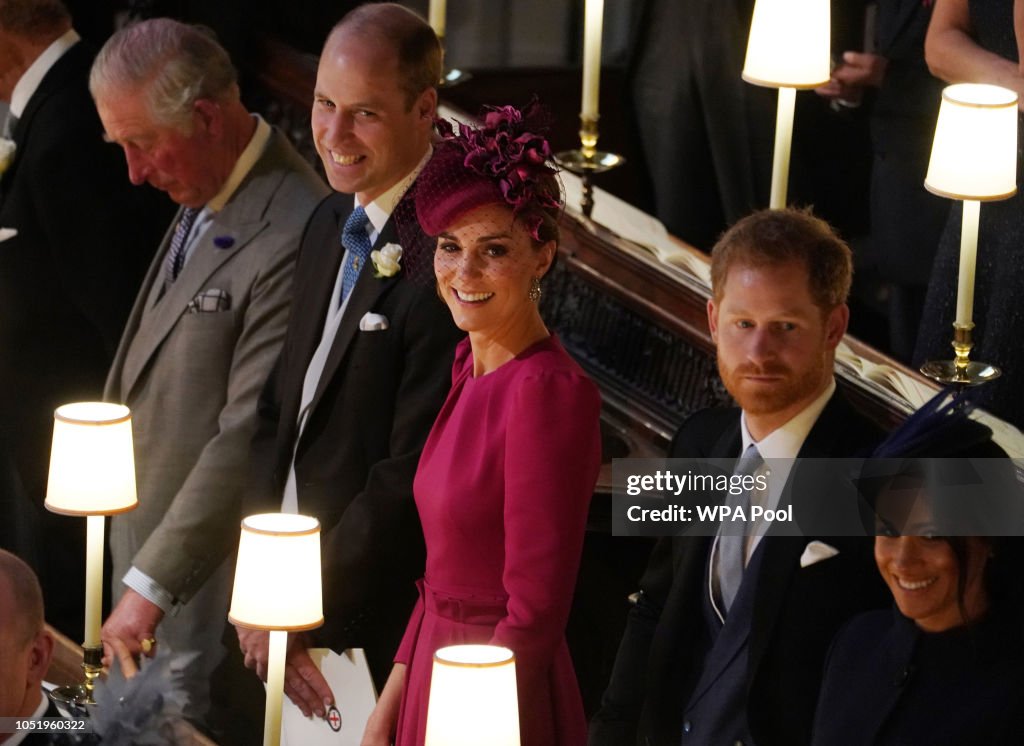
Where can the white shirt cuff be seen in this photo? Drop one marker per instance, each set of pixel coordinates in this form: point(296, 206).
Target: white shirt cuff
point(148, 588)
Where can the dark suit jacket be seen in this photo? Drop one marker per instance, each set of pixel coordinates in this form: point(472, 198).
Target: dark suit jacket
point(68, 278)
point(796, 610)
point(67, 281)
point(887, 683)
point(376, 401)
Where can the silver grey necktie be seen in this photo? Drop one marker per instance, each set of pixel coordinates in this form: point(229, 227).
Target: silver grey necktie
point(730, 550)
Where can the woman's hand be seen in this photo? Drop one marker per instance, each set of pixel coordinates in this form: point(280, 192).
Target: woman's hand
point(381, 725)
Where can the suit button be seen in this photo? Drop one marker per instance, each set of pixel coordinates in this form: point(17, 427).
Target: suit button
point(687, 726)
point(901, 676)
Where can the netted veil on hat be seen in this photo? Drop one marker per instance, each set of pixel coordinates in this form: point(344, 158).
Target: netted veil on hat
point(504, 161)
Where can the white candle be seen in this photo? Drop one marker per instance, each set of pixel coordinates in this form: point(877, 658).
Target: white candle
point(93, 580)
point(437, 11)
point(968, 259)
point(593, 18)
point(783, 144)
point(277, 653)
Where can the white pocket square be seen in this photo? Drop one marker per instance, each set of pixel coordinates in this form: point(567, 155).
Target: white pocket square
point(373, 322)
point(210, 301)
point(815, 552)
point(6, 233)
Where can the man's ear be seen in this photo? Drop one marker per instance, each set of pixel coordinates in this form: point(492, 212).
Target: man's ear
point(835, 325)
point(426, 105)
point(208, 115)
point(713, 320)
point(40, 656)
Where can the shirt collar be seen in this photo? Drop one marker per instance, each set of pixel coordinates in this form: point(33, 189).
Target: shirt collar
point(786, 441)
point(252, 153)
point(379, 210)
point(41, 708)
point(33, 76)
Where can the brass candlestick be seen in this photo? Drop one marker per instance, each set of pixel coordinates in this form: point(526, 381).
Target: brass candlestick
point(77, 697)
point(587, 160)
point(961, 371)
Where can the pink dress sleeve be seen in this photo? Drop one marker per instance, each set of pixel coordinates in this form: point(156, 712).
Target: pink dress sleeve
point(552, 457)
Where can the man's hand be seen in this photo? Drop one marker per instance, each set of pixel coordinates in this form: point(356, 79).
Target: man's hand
point(303, 682)
point(133, 620)
point(857, 71)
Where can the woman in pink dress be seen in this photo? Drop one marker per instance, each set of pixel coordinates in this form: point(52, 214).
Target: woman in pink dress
point(506, 475)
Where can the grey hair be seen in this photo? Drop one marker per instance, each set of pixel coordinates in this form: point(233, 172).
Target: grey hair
point(173, 64)
point(27, 598)
point(34, 19)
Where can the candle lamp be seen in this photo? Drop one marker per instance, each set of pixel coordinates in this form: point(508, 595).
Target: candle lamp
point(277, 588)
point(587, 160)
point(788, 49)
point(473, 698)
point(92, 473)
point(973, 159)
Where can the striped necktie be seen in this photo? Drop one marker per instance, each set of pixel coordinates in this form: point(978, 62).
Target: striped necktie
point(176, 254)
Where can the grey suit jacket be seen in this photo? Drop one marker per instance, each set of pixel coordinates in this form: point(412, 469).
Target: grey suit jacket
point(192, 378)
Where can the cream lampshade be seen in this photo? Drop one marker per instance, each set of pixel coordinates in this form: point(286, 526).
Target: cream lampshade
point(277, 588)
point(473, 698)
point(92, 474)
point(277, 576)
point(974, 153)
point(92, 464)
point(788, 48)
point(789, 44)
point(974, 159)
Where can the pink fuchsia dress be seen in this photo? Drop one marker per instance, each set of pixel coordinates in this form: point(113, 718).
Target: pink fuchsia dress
point(503, 488)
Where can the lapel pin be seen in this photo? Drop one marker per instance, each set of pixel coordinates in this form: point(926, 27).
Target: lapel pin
point(224, 242)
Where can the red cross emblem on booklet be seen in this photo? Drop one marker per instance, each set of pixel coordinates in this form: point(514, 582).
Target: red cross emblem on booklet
point(334, 719)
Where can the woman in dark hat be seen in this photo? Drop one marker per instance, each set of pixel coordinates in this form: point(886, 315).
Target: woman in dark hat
point(946, 665)
point(505, 479)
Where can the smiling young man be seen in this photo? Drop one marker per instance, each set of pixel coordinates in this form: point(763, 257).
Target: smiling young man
point(367, 358)
point(700, 665)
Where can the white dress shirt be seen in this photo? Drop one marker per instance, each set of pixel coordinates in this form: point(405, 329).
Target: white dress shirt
point(33, 76)
point(40, 711)
point(779, 450)
point(379, 212)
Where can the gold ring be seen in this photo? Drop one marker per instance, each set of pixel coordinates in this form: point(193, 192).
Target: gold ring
point(147, 644)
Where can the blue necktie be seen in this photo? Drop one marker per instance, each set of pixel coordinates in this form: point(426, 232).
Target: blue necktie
point(356, 241)
point(176, 254)
point(732, 550)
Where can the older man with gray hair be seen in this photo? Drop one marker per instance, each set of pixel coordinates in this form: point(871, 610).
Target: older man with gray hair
point(205, 330)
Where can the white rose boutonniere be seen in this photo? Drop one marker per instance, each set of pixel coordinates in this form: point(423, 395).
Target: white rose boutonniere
point(387, 261)
point(7, 148)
